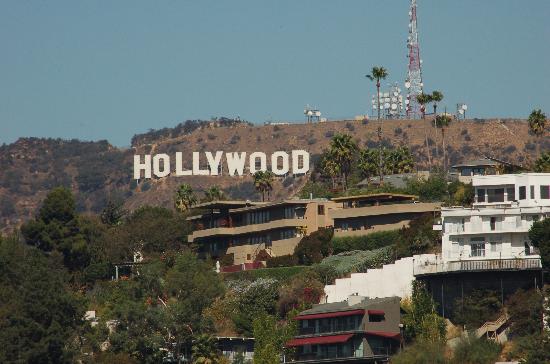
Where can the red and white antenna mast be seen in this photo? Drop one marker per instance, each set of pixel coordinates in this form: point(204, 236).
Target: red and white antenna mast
point(413, 83)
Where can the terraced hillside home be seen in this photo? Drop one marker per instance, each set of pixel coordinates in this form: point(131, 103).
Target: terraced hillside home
point(487, 245)
point(358, 330)
point(244, 229)
point(482, 167)
point(365, 214)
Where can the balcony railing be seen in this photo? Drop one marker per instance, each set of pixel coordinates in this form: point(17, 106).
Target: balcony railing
point(477, 265)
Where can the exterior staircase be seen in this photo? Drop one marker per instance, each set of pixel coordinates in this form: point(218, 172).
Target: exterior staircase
point(495, 330)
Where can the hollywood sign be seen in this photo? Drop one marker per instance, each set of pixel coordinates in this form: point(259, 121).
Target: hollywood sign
point(159, 165)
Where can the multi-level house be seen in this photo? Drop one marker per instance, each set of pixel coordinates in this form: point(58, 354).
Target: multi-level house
point(359, 330)
point(365, 214)
point(243, 229)
point(487, 245)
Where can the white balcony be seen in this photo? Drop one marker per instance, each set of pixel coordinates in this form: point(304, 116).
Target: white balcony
point(477, 265)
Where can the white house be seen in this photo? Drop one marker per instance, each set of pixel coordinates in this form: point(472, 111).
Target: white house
point(497, 225)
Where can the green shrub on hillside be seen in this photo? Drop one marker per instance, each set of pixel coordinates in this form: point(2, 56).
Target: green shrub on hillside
point(359, 260)
point(472, 350)
point(365, 242)
point(280, 273)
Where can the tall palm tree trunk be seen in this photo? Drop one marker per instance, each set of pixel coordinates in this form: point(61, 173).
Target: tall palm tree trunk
point(378, 95)
point(444, 150)
point(428, 148)
point(379, 136)
point(435, 141)
point(435, 109)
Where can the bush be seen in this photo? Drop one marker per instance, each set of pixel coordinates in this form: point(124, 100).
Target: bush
point(526, 312)
point(311, 141)
point(509, 149)
point(282, 261)
point(359, 260)
point(397, 131)
point(472, 350)
point(366, 242)
point(422, 352)
point(211, 137)
point(418, 238)
point(280, 273)
point(314, 247)
point(235, 139)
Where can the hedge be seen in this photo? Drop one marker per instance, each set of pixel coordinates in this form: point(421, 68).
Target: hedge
point(281, 273)
point(359, 260)
point(365, 242)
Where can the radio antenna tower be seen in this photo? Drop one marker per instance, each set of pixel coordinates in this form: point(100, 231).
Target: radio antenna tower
point(413, 83)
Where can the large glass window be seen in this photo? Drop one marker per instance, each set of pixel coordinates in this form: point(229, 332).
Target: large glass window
point(466, 172)
point(493, 223)
point(495, 195)
point(532, 192)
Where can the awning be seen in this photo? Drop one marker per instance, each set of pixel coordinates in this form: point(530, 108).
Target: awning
point(330, 314)
point(333, 339)
point(376, 312)
point(391, 335)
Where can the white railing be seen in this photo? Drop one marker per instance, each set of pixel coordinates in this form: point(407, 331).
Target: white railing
point(476, 265)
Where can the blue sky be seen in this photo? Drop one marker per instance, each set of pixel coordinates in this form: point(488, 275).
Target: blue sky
point(110, 69)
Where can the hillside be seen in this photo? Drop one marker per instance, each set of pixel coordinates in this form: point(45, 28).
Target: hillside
point(98, 171)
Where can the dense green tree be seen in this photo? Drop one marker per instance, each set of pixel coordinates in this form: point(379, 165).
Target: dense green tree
point(542, 164)
point(329, 167)
point(368, 163)
point(270, 338)
point(113, 213)
point(314, 247)
point(205, 349)
point(432, 189)
point(539, 234)
point(537, 122)
point(417, 238)
point(39, 316)
point(300, 292)
point(253, 300)
point(478, 307)
point(526, 312)
point(421, 321)
point(399, 160)
point(184, 198)
point(56, 228)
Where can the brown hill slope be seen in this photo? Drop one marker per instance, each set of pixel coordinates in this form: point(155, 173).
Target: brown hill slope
point(97, 171)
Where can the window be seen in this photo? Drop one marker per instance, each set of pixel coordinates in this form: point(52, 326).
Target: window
point(493, 223)
point(248, 257)
point(522, 193)
point(511, 191)
point(496, 195)
point(480, 195)
point(377, 318)
point(478, 247)
point(321, 209)
point(466, 172)
point(495, 247)
point(532, 192)
point(545, 192)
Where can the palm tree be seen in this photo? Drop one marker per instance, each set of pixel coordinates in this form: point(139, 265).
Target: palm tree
point(184, 198)
point(437, 96)
point(423, 100)
point(330, 168)
point(443, 121)
point(379, 73)
point(214, 193)
point(343, 149)
point(368, 163)
point(263, 182)
point(537, 122)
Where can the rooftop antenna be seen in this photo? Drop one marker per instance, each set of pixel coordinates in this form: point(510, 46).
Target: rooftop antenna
point(413, 83)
